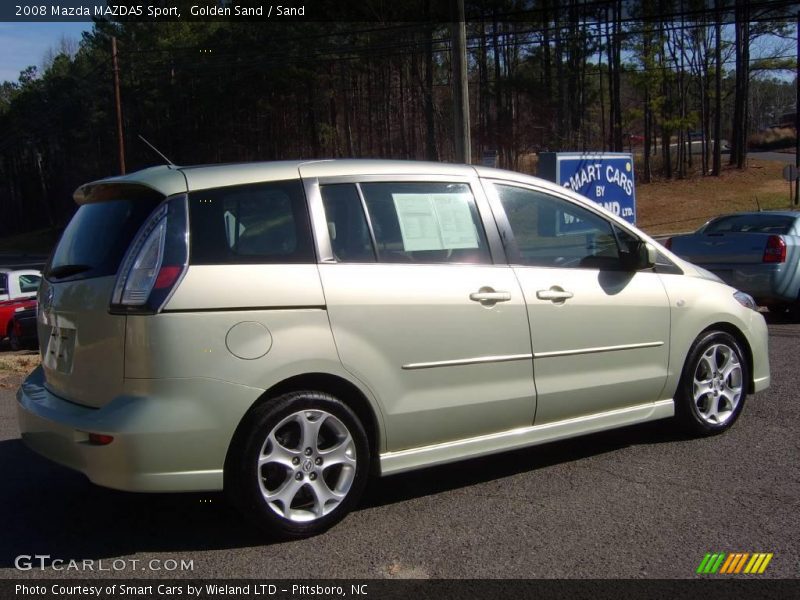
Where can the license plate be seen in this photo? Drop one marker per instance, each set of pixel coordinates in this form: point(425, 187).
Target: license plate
point(60, 348)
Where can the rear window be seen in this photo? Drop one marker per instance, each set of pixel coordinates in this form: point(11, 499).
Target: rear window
point(97, 237)
point(261, 223)
point(763, 223)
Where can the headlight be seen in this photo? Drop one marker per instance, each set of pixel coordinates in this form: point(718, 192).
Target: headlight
point(745, 300)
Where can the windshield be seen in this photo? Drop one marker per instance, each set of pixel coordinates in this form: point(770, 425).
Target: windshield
point(97, 237)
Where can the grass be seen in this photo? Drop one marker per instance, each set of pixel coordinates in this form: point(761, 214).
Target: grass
point(684, 205)
point(14, 365)
point(774, 138)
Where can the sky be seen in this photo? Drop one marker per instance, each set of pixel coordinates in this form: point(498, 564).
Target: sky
point(25, 44)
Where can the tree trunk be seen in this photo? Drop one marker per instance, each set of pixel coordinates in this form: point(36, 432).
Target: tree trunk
point(716, 167)
point(430, 124)
point(741, 97)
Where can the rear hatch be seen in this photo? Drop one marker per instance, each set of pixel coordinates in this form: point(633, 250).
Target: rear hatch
point(82, 343)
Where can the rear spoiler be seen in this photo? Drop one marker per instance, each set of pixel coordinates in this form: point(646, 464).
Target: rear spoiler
point(158, 182)
point(90, 193)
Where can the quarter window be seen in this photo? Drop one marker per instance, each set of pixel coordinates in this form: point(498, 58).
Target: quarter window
point(262, 223)
point(551, 232)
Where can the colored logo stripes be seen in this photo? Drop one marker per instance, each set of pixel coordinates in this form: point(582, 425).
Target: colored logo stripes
point(735, 563)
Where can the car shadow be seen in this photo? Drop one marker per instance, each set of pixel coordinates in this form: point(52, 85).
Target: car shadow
point(54, 510)
point(435, 480)
point(784, 318)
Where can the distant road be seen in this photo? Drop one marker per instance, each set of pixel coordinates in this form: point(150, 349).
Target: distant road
point(778, 156)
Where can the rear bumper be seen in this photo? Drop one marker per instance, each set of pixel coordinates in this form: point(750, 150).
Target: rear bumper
point(169, 435)
point(767, 283)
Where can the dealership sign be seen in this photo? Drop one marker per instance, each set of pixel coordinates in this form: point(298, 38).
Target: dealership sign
point(605, 178)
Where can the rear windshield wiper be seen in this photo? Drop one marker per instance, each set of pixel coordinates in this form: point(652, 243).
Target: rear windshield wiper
point(66, 270)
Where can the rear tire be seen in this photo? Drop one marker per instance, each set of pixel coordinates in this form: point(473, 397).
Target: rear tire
point(13, 341)
point(713, 385)
point(298, 464)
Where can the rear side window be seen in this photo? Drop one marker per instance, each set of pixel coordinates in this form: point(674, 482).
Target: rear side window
point(426, 223)
point(3, 284)
point(347, 224)
point(97, 237)
point(262, 223)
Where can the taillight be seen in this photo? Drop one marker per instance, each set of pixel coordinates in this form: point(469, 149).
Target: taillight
point(155, 261)
point(167, 276)
point(100, 439)
point(775, 252)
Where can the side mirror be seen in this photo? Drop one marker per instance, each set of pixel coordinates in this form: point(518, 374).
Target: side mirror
point(641, 256)
point(652, 256)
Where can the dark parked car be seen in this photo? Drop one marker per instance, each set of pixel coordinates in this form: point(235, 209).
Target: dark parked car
point(756, 252)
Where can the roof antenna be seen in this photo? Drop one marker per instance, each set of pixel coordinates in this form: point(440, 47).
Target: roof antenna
point(169, 162)
point(758, 204)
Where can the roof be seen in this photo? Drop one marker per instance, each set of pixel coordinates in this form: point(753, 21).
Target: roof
point(170, 179)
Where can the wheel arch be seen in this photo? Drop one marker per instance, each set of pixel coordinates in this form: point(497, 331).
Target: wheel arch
point(344, 390)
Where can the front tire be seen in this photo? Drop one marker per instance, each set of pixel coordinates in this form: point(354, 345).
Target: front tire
point(713, 384)
point(298, 464)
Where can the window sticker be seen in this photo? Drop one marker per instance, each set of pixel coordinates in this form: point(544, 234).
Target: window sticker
point(435, 221)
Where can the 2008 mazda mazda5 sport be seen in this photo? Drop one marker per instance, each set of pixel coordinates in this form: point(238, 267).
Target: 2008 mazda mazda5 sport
point(283, 330)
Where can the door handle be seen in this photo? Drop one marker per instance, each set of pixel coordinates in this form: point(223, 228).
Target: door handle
point(555, 294)
point(489, 297)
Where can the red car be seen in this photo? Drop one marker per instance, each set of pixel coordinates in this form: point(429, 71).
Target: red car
point(18, 289)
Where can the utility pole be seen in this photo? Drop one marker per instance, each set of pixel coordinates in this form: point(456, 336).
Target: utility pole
point(458, 32)
point(120, 137)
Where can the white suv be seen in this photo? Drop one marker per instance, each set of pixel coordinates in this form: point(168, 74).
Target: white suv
point(283, 330)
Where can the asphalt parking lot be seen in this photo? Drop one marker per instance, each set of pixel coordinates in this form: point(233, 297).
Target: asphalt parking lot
point(642, 502)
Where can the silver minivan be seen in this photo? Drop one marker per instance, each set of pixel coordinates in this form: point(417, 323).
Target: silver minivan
point(284, 330)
